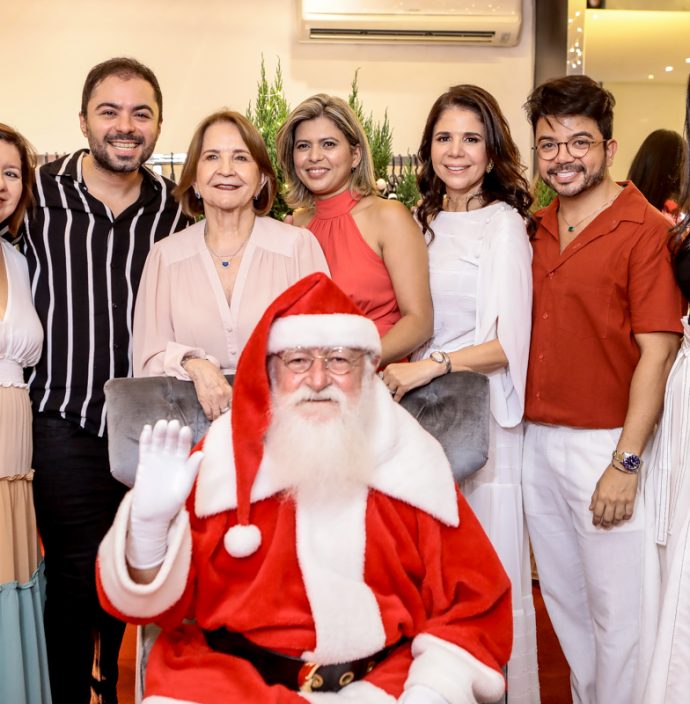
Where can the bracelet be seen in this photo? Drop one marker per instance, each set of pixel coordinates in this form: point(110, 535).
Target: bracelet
point(187, 358)
point(441, 357)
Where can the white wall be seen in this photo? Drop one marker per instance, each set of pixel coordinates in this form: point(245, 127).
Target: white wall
point(640, 109)
point(207, 53)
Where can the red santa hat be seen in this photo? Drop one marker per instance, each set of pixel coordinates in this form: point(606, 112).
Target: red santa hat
point(314, 312)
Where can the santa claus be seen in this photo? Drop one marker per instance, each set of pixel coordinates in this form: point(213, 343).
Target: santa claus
point(323, 552)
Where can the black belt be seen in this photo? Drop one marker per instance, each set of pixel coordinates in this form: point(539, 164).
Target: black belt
point(294, 673)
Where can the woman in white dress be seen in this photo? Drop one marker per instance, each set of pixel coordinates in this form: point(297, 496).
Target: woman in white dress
point(475, 215)
point(665, 640)
point(23, 660)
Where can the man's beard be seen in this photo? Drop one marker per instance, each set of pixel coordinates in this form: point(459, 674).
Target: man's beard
point(592, 179)
point(321, 459)
point(123, 165)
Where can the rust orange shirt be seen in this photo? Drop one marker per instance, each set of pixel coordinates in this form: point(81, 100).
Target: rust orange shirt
point(612, 281)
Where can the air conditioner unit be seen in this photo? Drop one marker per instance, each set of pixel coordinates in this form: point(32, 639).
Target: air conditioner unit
point(487, 22)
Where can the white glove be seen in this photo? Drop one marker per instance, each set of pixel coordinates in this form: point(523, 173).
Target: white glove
point(164, 478)
point(419, 694)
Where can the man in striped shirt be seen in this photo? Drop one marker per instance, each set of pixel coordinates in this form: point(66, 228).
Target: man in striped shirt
point(97, 213)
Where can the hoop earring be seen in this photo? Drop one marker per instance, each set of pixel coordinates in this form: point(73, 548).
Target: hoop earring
point(490, 166)
point(197, 194)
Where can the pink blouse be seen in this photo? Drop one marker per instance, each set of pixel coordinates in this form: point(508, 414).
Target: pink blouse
point(181, 306)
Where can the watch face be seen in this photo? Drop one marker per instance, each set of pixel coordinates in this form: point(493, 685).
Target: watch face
point(437, 357)
point(632, 462)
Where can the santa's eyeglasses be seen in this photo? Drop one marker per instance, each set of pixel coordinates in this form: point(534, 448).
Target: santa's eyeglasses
point(338, 360)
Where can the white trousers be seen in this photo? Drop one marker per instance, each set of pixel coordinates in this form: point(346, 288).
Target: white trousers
point(590, 577)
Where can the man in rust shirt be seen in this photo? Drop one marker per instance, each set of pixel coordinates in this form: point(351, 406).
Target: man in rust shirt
point(606, 324)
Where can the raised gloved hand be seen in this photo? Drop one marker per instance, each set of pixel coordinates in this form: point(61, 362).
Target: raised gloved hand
point(419, 694)
point(164, 478)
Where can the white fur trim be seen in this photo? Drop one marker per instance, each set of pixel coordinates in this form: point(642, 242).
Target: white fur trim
point(216, 490)
point(453, 672)
point(242, 541)
point(361, 692)
point(144, 600)
point(331, 539)
point(410, 466)
point(328, 330)
point(166, 700)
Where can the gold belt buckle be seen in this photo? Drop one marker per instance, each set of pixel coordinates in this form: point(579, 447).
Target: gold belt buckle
point(309, 679)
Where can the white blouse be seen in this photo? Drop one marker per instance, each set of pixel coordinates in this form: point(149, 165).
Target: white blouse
point(480, 268)
point(21, 334)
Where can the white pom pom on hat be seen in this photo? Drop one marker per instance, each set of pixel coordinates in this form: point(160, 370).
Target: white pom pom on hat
point(313, 312)
point(242, 541)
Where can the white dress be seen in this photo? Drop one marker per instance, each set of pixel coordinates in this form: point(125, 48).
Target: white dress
point(665, 639)
point(23, 657)
point(481, 286)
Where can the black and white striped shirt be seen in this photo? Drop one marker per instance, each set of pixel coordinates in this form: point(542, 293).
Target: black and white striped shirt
point(85, 267)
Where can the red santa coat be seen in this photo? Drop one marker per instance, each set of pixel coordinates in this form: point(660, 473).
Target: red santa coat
point(330, 583)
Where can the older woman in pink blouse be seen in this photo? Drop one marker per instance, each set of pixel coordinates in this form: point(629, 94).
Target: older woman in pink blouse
point(204, 288)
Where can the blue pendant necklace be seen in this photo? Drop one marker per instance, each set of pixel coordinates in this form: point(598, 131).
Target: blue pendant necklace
point(224, 259)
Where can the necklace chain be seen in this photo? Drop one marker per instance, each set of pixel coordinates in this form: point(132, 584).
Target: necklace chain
point(477, 194)
point(224, 259)
point(571, 228)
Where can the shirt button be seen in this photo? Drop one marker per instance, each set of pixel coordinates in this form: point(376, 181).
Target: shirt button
point(540, 356)
point(551, 274)
point(538, 394)
point(545, 315)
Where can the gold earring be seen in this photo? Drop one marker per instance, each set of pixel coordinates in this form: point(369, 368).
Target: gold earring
point(490, 166)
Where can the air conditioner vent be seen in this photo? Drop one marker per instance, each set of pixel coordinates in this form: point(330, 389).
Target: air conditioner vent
point(487, 22)
point(470, 36)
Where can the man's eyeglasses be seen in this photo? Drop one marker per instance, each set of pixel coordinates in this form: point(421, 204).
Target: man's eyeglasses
point(577, 147)
point(338, 360)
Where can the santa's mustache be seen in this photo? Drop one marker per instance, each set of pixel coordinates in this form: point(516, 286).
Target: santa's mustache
point(307, 395)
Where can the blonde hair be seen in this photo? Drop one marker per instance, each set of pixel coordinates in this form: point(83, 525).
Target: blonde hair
point(362, 181)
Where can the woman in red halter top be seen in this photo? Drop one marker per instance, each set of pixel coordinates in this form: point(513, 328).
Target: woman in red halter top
point(373, 247)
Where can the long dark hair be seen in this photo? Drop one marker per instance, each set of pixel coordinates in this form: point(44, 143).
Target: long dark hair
point(656, 168)
point(27, 157)
point(505, 182)
point(679, 243)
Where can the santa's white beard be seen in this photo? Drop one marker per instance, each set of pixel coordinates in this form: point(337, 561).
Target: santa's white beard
point(321, 459)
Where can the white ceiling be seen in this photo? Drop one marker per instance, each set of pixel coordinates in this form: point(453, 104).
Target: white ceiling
point(627, 46)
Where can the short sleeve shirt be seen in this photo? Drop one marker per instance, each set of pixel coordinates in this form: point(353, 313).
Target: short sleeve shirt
point(614, 280)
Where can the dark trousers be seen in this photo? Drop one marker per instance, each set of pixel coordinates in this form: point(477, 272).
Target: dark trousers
point(76, 499)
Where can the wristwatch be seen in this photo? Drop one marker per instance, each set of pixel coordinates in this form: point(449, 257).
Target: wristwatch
point(441, 358)
point(627, 462)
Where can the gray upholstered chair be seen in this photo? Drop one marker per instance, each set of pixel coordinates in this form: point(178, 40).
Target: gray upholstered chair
point(454, 408)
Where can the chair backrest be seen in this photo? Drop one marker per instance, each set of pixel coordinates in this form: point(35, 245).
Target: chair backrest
point(131, 403)
point(454, 408)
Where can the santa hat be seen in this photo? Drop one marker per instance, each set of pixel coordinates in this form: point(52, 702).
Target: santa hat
point(314, 312)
